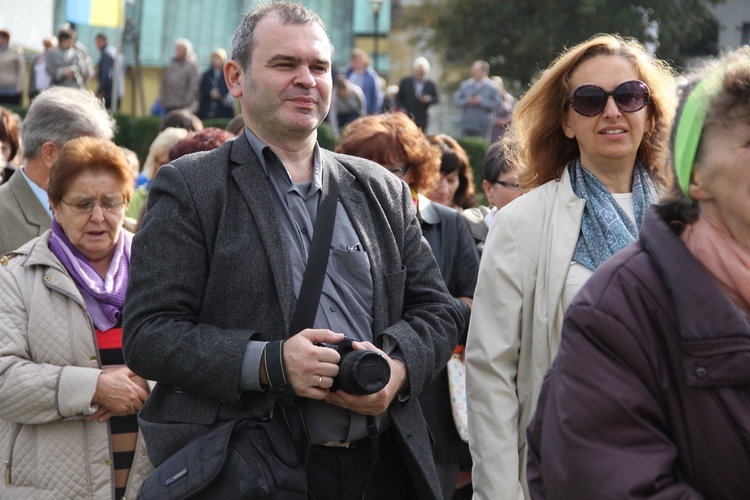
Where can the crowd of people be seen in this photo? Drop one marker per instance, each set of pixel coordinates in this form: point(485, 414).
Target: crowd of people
point(599, 302)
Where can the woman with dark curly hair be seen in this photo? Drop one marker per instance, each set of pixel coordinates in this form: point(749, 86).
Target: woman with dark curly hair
point(455, 188)
point(397, 143)
point(589, 141)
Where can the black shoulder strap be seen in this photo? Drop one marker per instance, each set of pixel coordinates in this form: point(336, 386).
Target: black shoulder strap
point(317, 261)
point(304, 312)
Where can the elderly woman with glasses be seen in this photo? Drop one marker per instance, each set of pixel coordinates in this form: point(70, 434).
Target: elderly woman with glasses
point(648, 397)
point(68, 403)
point(588, 141)
point(397, 143)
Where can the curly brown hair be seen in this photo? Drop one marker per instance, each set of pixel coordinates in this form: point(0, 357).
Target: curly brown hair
point(393, 139)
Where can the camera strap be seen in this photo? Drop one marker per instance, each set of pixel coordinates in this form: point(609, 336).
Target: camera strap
point(305, 311)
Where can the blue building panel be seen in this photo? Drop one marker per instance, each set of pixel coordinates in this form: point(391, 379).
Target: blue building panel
point(209, 24)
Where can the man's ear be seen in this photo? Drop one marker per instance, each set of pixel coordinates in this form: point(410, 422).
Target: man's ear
point(234, 78)
point(49, 153)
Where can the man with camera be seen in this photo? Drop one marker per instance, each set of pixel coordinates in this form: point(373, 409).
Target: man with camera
point(218, 265)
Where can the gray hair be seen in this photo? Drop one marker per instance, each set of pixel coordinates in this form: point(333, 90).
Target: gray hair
point(60, 114)
point(422, 62)
point(190, 56)
point(287, 12)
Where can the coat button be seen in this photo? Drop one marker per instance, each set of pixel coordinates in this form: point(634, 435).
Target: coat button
point(47, 278)
point(332, 308)
point(108, 463)
point(143, 453)
point(701, 372)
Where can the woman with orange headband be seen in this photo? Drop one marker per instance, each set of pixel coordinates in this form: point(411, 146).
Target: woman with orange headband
point(650, 393)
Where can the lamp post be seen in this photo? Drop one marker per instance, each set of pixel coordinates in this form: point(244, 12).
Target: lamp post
point(376, 5)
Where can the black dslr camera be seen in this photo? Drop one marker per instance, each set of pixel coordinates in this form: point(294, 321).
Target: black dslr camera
point(360, 372)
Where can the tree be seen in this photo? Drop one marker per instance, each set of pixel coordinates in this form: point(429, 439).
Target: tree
point(521, 37)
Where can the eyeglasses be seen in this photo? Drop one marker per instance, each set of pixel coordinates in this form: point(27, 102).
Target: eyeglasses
point(399, 172)
point(590, 100)
point(513, 185)
point(86, 207)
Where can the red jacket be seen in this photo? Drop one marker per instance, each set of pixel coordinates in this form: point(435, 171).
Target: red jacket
point(650, 394)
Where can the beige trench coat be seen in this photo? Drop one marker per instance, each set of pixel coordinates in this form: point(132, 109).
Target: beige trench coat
point(515, 330)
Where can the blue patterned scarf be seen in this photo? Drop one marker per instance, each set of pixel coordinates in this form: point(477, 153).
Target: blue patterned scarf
point(606, 228)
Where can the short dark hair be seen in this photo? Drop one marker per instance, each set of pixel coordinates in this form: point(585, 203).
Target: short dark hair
point(455, 159)
point(64, 34)
point(287, 12)
point(495, 163)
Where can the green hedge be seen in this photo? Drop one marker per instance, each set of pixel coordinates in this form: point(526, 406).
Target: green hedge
point(476, 148)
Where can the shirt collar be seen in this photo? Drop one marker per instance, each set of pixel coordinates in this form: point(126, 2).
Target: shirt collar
point(427, 210)
point(258, 147)
point(40, 193)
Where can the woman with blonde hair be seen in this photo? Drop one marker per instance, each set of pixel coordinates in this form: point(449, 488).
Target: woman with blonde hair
point(589, 142)
point(215, 101)
point(158, 155)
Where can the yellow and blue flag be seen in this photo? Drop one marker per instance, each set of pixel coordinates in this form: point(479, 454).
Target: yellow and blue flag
point(103, 13)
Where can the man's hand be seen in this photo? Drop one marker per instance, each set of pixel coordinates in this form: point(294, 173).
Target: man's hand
point(372, 404)
point(311, 368)
point(119, 392)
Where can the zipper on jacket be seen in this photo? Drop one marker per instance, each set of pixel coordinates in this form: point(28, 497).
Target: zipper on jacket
point(11, 445)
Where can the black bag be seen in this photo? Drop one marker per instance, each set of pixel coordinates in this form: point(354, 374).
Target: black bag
point(237, 459)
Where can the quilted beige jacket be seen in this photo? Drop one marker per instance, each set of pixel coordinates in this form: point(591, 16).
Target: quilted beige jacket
point(48, 373)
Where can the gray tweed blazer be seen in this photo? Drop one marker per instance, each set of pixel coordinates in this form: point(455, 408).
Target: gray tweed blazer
point(210, 270)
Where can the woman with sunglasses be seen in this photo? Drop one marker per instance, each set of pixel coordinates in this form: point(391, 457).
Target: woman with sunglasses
point(648, 397)
point(588, 140)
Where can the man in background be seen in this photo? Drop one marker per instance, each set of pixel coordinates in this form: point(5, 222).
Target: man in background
point(12, 70)
point(417, 93)
point(56, 116)
point(109, 73)
point(478, 97)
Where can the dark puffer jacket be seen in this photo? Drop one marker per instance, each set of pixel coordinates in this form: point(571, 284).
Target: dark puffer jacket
point(650, 394)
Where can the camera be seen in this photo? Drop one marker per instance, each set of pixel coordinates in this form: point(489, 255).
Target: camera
point(360, 372)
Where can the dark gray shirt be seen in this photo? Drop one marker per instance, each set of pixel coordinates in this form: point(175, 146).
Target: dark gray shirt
point(346, 300)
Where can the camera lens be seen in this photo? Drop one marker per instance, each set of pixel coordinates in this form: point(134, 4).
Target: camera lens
point(363, 372)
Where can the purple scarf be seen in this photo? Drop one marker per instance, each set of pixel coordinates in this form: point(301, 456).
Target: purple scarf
point(104, 298)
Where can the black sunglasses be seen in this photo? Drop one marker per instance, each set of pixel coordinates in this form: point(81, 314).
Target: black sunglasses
point(590, 100)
